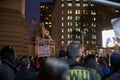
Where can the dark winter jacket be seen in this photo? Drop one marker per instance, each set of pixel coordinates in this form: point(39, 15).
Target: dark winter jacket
point(7, 70)
point(25, 74)
point(73, 64)
point(77, 72)
point(113, 76)
point(104, 69)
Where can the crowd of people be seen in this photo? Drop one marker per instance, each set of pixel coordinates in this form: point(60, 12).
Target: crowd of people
point(68, 65)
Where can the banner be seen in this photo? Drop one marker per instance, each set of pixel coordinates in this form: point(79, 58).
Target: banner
point(116, 26)
point(43, 48)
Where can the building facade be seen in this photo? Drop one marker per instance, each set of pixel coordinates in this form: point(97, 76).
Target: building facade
point(72, 21)
point(46, 10)
point(76, 20)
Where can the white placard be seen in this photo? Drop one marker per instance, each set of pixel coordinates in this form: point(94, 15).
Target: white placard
point(43, 48)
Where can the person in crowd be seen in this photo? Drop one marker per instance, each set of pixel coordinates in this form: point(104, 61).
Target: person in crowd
point(103, 65)
point(82, 60)
point(0, 60)
point(36, 63)
point(17, 63)
point(54, 69)
point(62, 55)
point(115, 68)
point(106, 55)
point(77, 72)
point(91, 65)
point(7, 67)
point(25, 73)
point(32, 64)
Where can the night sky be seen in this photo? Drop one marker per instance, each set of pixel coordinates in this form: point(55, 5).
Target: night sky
point(32, 10)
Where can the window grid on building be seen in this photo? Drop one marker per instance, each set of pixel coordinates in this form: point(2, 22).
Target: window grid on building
point(70, 18)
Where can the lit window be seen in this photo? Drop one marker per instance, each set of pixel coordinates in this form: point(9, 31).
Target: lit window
point(62, 36)
point(84, 24)
point(69, 29)
point(94, 24)
point(50, 22)
point(92, 5)
point(41, 14)
point(69, 42)
point(46, 7)
point(50, 15)
point(62, 42)
point(69, 0)
point(46, 18)
point(42, 6)
point(69, 4)
point(77, 11)
point(62, 5)
point(94, 31)
point(84, 32)
point(94, 19)
point(85, 5)
point(76, 24)
point(93, 42)
point(93, 36)
point(69, 36)
point(77, 18)
point(62, 24)
point(116, 11)
point(50, 25)
point(77, 37)
point(87, 42)
point(69, 11)
point(85, 29)
point(77, 0)
point(62, 30)
point(77, 4)
point(69, 23)
point(93, 12)
point(46, 22)
point(78, 29)
point(62, 18)
point(69, 17)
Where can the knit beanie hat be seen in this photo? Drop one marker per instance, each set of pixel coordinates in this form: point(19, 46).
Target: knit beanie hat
point(62, 53)
point(7, 53)
point(115, 60)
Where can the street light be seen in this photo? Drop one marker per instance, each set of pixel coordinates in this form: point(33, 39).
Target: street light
point(106, 2)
